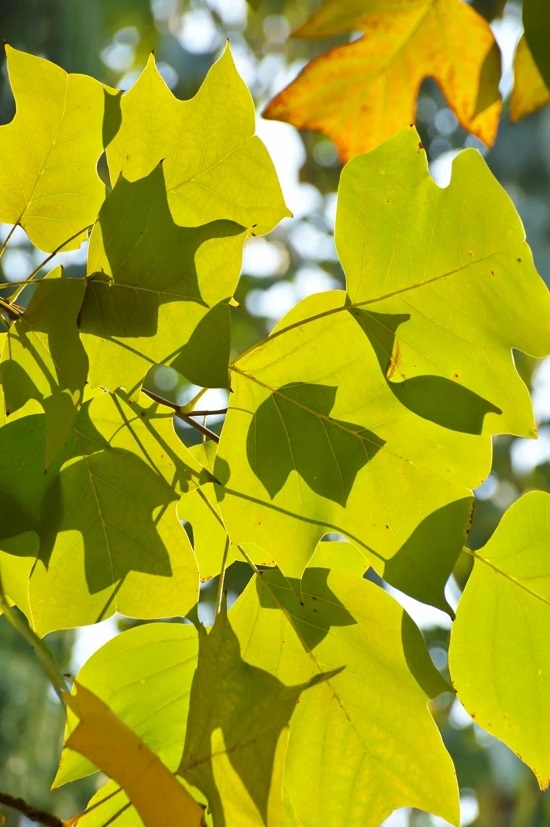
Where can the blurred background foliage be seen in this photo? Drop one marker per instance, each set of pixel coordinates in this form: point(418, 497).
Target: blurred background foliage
point(111, 40)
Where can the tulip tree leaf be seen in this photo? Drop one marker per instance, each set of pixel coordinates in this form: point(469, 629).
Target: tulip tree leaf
point(103, 738)
point(537, 31)
point(48, 178)
point(144, 675)
point(157, 292)
point(244, 726)
point(43, 357)
point(105, 513)
point(345, 92)
point(359, 730)
point(325, 441)
point(215, 167)
point(444, 285)
point(530, 91)
point(499, 658)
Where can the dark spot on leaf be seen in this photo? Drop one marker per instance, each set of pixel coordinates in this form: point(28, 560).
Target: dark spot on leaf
point(301, 602)
point(519, 260)
point(420, 145)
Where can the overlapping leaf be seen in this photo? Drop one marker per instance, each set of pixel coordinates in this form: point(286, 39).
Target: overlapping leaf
point(361, 93)
point(154, 791)
point(444, 285)
point(358, 733)
point(48, 177)
point(145, 676)
point(104, 513)
point(530, 91)
point(536, 24)
point(215, 167)
point(157, 292)
point(329, 448)
point(236, 738)
point(499, 656)
point(42, 357)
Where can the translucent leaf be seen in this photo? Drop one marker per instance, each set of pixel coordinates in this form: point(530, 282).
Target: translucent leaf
point(353, 753)
point(443, 283)
point(241, 729)
point(536, 24)
point(157, 293)
point(329, 448)
point(215, 167)
point(43, 358)
point(153, 790)
point(105, 513)
point(530, 91)
point(48, 179)
point(363, 92)
point(144, 675)
point(499, 657)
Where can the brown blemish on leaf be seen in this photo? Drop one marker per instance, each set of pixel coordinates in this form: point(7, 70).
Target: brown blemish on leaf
point(456, 375)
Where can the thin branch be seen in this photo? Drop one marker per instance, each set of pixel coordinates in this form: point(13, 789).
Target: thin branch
point(30, 812)
point(6, 241)
point(207, 413)
point(221, 581)
point(185, 417)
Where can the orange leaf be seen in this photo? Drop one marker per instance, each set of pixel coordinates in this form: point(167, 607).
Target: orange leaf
point(104, 739)
point(530, 91)
point(362, 93)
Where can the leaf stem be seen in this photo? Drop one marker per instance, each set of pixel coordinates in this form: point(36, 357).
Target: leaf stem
point(48, 258)
point(221, 581)
point(41, 650)
point(180, 413)
point(30, 812)
point(6, 240)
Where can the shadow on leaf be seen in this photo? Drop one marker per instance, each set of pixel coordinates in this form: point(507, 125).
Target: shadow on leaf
point(435, 398)
point(292, 430)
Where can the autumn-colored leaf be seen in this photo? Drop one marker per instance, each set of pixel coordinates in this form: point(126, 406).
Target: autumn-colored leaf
point(530, 91)
point(361, 93)
point(108, 743)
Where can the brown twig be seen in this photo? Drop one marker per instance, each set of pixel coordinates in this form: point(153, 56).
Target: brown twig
point(30, 812)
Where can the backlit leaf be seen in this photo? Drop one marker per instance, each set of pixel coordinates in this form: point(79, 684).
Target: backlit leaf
point(536, 24)
point(157, 292)
point(215, 167)
point(330, 448)
point(530, 91)
point(105, 740)
point(358, 733)
point(361, 93)
point(48, 178)
point(499, 656)
point(43, 357)
point(144, 675)
point(105, 513)
point(443, 283)
point(243, 727)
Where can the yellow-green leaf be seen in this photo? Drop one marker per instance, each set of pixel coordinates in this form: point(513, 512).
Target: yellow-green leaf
point(499, 656)
point(353, 753)
point(444, 285)
point(361, 93)
point(530, 91)
point(105, 740)
point(48, 177)
point(215, 167)
point(157, 293)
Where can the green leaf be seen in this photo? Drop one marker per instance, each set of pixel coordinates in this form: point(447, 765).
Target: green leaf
point(241, 729)
point(105, 513)
point(48, 179)
point(329, 448)
point(444, 284)
point(157, 293)
point(43, 358)
point(536, 24)
point(216, 168)
point(499, 657)
point(144, 675)
point(353, 753)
